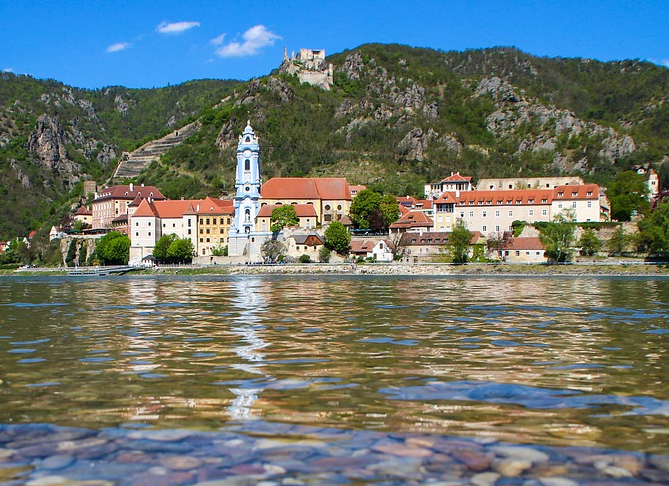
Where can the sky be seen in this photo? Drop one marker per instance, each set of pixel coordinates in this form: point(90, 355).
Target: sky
point(154, 43)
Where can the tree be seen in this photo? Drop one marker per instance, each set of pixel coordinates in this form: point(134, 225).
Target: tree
point(654, 230)
point(459, 242)
point(589, 243)
point(220, 250)
point(558, 238)
point(160, 251)
point(181, 250)
point(282, 216)
point(365, 209)
point(390, 210)
point(113, 249)
point(272, 250)
point(337, 238)
point(324, 254)
point(628, 193)
point(618, 241)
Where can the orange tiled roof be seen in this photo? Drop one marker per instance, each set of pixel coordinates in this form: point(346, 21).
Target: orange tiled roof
point(457, 178)
point(584, 191)
point(527, 243)
point(333, 188)
point(83, 211)
point(359, 245)
point(302, 210)
point(177, 208)
point(413, 219)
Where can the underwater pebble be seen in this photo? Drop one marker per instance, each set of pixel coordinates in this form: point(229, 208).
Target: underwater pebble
point(511, 467)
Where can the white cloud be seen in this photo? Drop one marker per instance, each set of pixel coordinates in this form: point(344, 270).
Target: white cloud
point(176, 27)
point(253, 40)
point(119, 46)
point(217, 41)
point(8, 70)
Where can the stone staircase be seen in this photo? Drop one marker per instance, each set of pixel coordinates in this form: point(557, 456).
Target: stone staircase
point(132, 163)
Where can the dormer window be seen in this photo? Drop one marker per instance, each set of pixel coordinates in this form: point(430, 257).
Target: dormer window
point(574, 194)
point(560, 194)
point(589, 193)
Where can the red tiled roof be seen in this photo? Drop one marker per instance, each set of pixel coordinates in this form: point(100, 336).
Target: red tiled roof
point(526, 243)
point(83, 211)
point(446, 198)
point(359, 245)
point(457, 178)
point(306, 188)
point(521, 196)
point(177, 208)
point(413, 219)
point(584, 191)
point(124, 192)
point(302, 210)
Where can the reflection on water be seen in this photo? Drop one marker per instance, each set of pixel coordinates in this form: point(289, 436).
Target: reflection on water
point(543, 360)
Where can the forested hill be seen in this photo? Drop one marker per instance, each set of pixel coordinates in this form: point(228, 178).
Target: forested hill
point(395, 118)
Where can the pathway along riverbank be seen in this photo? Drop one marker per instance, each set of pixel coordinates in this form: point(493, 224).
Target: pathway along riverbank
point(625, 268)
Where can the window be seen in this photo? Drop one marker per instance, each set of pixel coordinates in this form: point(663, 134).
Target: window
point(247, 164)
point(560, 205)
point(531, 212)
point(137, 223)
point(189, 223)
point(497, 213)
point(208, 231)
point(544, 212)
point(149, 233)
point(471, 214)
point(201, 240)
point(590, 192)
point(484, 228)
point(510, 212)
point(574, 194)
point(188, 230)
point(484, 214)
point(589, 204)
point(149, 223)
point(208, 240)
point(338, 207)
point(327, 207)
point(497, 228)
point(573, 205)
point(207, 221)
point(174, 225)
point(517, 252)
point(560, 194)
point(201, 231)
point(137, 233)
point(164, 225)
point(213, 221)
point(462, 215)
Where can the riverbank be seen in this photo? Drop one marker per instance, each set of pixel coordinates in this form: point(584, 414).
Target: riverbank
point(626, 268)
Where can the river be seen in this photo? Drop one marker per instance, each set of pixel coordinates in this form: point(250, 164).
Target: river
point(543, 364)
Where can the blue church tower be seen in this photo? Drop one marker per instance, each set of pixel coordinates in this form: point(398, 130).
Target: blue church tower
point(243, 240)
point(247, 182)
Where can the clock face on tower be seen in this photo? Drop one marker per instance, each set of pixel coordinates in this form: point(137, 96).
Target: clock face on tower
point(247, 153)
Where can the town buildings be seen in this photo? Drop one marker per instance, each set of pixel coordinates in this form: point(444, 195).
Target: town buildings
point(112, 206)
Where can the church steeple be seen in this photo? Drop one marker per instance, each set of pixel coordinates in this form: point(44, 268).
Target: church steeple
point(247, 182)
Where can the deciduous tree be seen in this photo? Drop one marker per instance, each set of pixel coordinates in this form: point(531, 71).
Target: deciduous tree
point(459, 242)
point(113, 249)
point(558, 238)
point(628, 193)
point(282, 216)
point(337, 238)
point(589, 242)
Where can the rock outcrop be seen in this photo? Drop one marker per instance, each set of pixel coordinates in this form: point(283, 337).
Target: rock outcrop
point(47, 143)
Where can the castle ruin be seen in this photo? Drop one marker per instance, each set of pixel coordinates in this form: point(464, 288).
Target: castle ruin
point(310, 67)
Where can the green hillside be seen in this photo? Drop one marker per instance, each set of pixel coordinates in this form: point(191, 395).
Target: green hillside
point(395, 118)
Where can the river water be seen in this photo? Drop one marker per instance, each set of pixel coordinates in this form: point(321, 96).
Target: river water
point(539, 364)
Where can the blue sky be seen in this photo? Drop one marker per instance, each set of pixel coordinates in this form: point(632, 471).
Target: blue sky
point(152, 43)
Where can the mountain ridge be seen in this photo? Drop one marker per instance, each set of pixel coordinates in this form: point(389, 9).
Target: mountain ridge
point(396, 117)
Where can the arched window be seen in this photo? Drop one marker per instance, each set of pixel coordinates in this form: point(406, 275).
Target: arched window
point(247, 164)
point(248, 139)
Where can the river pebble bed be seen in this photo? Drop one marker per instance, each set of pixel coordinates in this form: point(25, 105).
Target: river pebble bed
point(272, 454)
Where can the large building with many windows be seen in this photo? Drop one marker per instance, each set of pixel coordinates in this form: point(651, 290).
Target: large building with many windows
point(495, 211)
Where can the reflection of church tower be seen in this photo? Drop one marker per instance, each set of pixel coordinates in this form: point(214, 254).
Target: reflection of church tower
point(247, 182)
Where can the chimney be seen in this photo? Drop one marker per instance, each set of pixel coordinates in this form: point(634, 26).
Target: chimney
point(132, 186)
